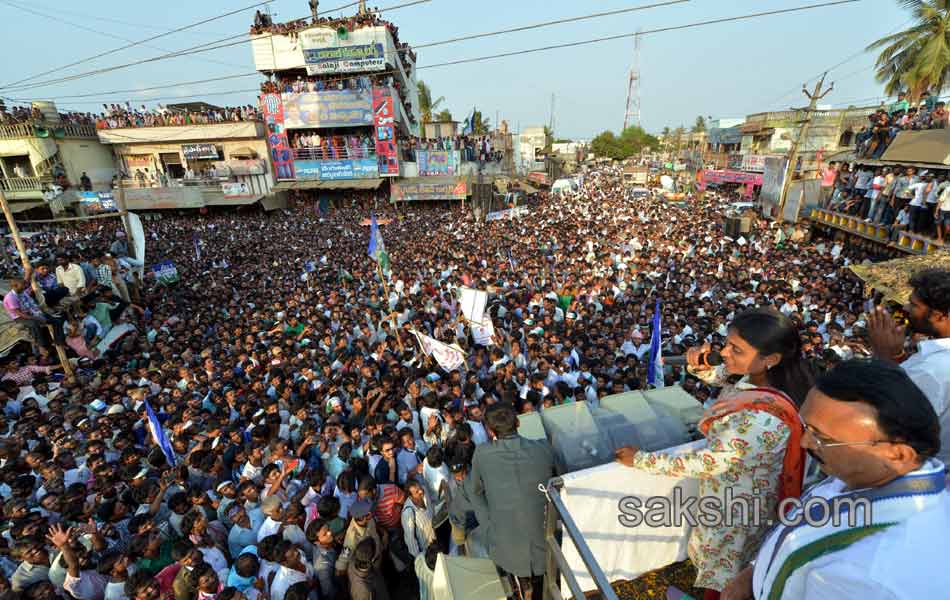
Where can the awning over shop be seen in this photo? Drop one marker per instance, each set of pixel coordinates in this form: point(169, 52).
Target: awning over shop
point(18, 207)
point(234, 200)
point(926, 147)
point(340, 184)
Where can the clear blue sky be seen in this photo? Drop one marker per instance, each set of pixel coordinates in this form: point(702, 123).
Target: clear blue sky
point(723, 70)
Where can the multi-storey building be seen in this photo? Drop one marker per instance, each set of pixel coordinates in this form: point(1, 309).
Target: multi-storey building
point(44, 156)
point(339, 97)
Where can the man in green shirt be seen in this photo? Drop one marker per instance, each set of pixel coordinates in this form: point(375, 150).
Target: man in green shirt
point(900, 106)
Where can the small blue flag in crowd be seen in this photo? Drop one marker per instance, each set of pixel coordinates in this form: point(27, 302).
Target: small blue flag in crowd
point(158, 435)
point(197, 247)
point(511, 260)
point(655, 367)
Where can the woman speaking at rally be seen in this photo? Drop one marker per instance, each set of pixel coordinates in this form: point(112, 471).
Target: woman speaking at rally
point(753, 435)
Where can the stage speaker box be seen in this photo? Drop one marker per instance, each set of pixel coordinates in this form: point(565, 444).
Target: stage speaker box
point(745, 224)
point(731, 226)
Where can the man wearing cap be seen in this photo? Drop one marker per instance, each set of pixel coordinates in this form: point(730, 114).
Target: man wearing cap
point(505, 478)
point(361, 526)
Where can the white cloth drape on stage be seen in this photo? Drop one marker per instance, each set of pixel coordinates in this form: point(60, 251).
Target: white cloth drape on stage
point(592, 497)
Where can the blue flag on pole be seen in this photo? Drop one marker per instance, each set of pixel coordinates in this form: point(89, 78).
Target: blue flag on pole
point(158, 435)
point(655, 367)
point(377, 249)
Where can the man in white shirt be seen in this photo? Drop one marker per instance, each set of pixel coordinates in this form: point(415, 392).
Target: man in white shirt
point(928, 314)
point(875, 434)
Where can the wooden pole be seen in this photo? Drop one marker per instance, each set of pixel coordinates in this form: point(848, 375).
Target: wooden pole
point(28, 272)
point(379, 269)
point(126, 222)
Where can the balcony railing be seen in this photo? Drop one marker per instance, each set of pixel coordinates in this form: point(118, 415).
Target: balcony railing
point(26, 130)
point(333, 154)
point(21, 184)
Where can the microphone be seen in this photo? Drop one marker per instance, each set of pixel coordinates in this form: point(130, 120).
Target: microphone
point(707, 359)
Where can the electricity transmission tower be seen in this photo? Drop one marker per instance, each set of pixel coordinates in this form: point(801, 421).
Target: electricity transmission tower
point(632, 115)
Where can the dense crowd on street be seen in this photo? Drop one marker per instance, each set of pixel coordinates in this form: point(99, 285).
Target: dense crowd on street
point(313, 450)
point(885, 123)
point(117, 116)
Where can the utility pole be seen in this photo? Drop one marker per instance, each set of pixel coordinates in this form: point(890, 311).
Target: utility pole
point(813, 98)
point(28, 275)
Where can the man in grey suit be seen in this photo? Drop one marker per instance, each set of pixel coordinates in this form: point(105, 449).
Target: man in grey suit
point(505, 477)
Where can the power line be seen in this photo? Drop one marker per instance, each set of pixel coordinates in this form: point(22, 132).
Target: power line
point(549, 23)
point(644, 32)
point(96, 31)
point(140, 42)
point(857, 54)
point(206, 47)
point(142, 90)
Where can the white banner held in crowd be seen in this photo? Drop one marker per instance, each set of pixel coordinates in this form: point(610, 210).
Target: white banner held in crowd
point(484, 332)
point(449, 357)
point(473, 304)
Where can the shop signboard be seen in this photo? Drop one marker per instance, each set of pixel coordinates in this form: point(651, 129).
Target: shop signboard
point(720, 177)
point(281, 155)
point(331, 170)
point(328, 108)
point(384, 120)
point(199, 151)
point(345, 59)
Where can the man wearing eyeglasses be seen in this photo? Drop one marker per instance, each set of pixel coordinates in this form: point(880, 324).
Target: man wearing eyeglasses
point(875, 435)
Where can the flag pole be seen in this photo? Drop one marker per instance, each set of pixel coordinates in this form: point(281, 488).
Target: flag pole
point(379, 269)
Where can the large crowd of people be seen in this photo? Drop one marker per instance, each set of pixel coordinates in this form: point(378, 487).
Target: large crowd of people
point(118, 116)
point(471, 147)
point(15, 115)
point(902, 198)
point(312, 450)
point(308, 144)
point(264, 24)
point(885, 123)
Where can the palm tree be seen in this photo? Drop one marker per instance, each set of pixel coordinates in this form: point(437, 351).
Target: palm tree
point(426, 103)
point(444, 116)
point(481, 125)
point(917, 58)
point(700, 125)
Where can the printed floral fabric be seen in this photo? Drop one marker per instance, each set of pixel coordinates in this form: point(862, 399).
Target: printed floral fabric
point(744, 455)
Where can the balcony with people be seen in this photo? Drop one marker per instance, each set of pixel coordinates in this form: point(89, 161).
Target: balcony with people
point(887, 122)
point(194, 121)
point(19, 122)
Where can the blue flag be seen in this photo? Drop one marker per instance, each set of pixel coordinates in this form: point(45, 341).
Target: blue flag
point(158, 435)
point(468, 127)
point(511, 261)
point(377, 249)
point(655, 367)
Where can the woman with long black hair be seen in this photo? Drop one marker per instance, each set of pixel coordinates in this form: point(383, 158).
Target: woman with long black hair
point(753, 438)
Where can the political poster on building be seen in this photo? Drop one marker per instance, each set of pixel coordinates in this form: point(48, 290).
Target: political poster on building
point(166, 273)
point(384, 120)
point(328, 108)
point(272, 109)
point(438, 162)
point(411, 190)
point(231, 189)
point(97, 202)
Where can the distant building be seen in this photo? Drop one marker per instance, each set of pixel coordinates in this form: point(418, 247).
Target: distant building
point(192, 165)
point(43, 158)
point(531, 143)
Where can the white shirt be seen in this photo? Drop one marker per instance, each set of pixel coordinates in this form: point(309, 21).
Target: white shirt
point(268, 527)
point(479, 435)
point(906, 561)
point(930, 370)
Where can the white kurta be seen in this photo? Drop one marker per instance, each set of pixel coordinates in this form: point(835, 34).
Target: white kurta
point(905, 561)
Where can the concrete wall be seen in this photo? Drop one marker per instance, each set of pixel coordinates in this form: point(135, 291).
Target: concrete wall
point(183, 133)
point(90, 156)
point(38, 149)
